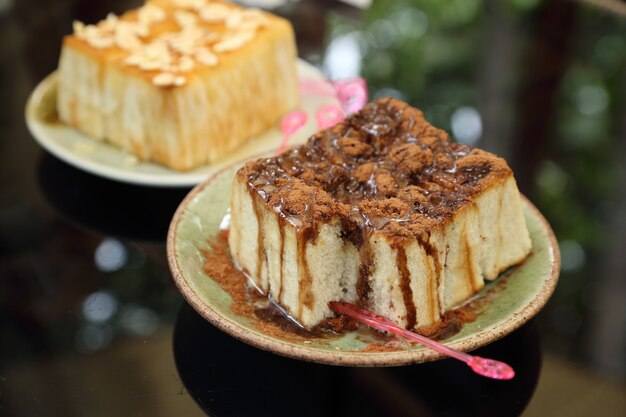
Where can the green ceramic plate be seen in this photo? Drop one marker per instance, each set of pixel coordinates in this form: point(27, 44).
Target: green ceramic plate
point(197, 221)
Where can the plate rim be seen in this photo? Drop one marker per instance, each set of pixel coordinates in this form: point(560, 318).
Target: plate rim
point(170, 179)
point(355, 358)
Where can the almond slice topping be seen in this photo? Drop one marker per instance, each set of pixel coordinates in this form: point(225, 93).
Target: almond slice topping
point(150, 13)
point(126, 38)
point(185, 19)
point(109, 23)
point(101, 41)
point(78, 27)
point(190, 4)
point(234, 41)
point(206, 57)
point(185, 63)
point(168, 79)
point(215, 12)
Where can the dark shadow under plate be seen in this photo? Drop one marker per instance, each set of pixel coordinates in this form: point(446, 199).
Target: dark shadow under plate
point(230, 378)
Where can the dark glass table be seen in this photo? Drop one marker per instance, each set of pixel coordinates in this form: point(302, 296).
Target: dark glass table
point(92, 325)
point(229, 378)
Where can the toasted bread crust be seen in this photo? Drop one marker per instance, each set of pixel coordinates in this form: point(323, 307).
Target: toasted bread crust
point(202, 114)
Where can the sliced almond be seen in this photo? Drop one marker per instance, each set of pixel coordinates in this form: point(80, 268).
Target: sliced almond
point(151, 57)
point(126, 37)
point(185, 19)
point(78, 27)
point(109, 23)
point(249, 19)
point(182, 45)
point(234, 19)
point(151, 64)
point(206, 57)
point(163, 63)
point(185, 63)
point(133, 59)
point(190, 4)
point(164, 79)
point(211, 37)
point(101, 42)
point(149, 14)
point(141, 29)
point(156, 49)
point(234, 41)
point(88, 31)
point(215, 12)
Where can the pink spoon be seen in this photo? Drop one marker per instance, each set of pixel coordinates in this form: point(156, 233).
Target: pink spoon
point(486, 367)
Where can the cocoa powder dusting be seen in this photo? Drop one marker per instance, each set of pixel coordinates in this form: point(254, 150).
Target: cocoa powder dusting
point(451, 324)
point(381, 347)
point(363, 173)
point(374, 155)
point(386, 184)
point(353, 146)
point(411, 158)
point(340, 324)
point(219, 266)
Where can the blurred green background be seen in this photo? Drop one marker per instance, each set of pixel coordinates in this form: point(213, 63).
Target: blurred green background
point(544, 85)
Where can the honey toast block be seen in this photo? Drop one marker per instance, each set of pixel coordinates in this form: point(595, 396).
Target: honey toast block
point(383, 210)
point(181, 83)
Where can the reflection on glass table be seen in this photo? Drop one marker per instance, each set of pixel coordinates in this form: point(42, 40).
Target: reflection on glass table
point(229, 378)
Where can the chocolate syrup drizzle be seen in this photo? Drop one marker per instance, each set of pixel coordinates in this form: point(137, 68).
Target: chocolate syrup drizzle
point(383, 169)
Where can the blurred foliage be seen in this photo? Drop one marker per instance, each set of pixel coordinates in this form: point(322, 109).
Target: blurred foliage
point(426, 52)
point(429, 53)
point(577, 184)
point(419, 51)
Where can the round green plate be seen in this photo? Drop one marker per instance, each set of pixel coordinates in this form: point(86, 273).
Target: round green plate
point(103, 159)
point(197, 222)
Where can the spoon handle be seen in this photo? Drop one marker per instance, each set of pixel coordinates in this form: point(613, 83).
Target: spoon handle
point(482, 366)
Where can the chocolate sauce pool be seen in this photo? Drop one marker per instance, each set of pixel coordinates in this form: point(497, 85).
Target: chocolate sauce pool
point(272, 320)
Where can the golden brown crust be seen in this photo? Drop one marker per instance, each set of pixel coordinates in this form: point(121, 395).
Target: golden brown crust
point(277, 26)
point(173, 107)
